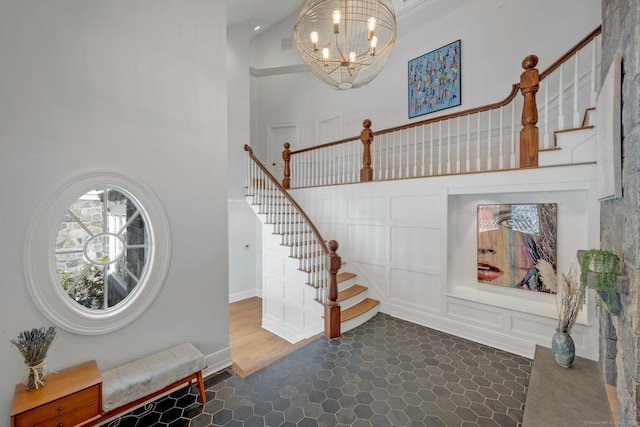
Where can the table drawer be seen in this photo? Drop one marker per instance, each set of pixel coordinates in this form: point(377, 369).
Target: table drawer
point(89, 397)
point(72, 418)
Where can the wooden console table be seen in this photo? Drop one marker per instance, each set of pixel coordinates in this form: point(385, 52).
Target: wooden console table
point(71, 397)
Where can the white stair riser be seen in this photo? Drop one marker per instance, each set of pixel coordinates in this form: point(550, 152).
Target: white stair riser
point(358, 320)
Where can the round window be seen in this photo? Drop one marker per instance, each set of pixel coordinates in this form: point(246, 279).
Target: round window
point(101, 248)
point(97, 253)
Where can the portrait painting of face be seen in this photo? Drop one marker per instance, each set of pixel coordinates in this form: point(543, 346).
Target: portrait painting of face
point(512, 238)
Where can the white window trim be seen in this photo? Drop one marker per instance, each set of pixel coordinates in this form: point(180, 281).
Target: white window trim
point(40, 269)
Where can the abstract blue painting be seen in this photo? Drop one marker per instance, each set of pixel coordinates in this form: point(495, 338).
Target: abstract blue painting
point(434, 80)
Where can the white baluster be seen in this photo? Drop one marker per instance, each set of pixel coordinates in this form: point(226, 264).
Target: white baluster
point(399, 153)
point(325, 172)
point(576, 91)
point(478, 146)
point(489, 142)
point(440, 148)
point(379, 158)
point(594, 95)
point(513, 134)
point(458, 148)
point(422, 170)
point(386, 156)
point(468, 159)
point(343, 163)
point(408, 151)
point(393, 156)
point(431, 149)
point(501, 156)
point(545, 138)
point(415, 151)
point(449, 146)
point(561, 100)
point(357, 160)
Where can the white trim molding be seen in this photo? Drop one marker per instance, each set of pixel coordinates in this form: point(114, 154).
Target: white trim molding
point(40, 269)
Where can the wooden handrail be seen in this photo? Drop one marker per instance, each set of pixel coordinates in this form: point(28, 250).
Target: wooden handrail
point(514, 91)
point(328, 144)
point(333, 261)
point(582, 43)
point(302, 213)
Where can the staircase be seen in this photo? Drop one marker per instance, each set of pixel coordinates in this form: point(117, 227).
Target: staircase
point(573, 145)
point(296, 281)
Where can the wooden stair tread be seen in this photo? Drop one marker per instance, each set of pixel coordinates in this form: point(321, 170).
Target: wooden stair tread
point(358, 309)
point(343, 277)
point(574, 129)
point(351, 292)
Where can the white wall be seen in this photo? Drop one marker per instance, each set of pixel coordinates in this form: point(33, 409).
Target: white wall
point(496, 35)
point(244, 249)
point(413, 243)
point(136, 86)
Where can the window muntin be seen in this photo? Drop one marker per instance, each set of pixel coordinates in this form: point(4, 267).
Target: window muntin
point(101, 247)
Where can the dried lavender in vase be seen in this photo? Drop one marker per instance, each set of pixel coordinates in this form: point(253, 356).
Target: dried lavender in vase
point(33, 345)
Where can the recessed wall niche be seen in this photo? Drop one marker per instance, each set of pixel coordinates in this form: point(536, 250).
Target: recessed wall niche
point(462, 279)
point(120, 243)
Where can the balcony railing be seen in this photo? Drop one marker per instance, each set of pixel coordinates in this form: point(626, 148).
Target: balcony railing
point(498, 136)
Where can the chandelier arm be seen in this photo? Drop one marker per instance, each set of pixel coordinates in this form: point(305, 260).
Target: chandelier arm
point(342, 57)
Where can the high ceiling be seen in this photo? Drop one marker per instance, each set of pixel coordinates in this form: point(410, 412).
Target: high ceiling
point(260, 12)
point(267, 13)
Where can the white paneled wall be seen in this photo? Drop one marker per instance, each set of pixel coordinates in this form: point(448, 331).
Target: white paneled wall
point(413, 242)
point(288, 306)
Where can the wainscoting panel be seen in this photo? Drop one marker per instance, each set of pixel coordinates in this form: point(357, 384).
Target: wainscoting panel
point(368, 241)
point(537, 329)
point(415, 289)
point(370, 208)
point(412, 209)
point(418, 247)
point(273, 264)
point(469, 313)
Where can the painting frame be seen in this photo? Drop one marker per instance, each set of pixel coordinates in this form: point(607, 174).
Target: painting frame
point(515, 243)
point(434, 80)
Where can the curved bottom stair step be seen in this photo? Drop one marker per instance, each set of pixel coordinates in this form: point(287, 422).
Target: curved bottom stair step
point(359, 309)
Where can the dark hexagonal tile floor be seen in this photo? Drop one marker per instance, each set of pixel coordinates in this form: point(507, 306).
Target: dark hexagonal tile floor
point(387, 372)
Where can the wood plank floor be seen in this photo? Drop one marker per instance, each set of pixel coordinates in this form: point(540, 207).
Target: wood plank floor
point(252, 347)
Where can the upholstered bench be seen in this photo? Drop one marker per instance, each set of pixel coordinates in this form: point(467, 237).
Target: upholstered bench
point(137, 382)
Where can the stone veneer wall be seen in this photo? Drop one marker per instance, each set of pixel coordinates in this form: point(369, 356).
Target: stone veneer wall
point(620, 218)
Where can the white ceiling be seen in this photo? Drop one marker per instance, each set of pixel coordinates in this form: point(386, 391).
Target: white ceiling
point(267, 13)
point(260, 12)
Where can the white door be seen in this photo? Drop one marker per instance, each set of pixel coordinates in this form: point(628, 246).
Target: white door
point(277, 135)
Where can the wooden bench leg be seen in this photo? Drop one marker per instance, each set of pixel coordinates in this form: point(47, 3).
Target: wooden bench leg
point(201, 387)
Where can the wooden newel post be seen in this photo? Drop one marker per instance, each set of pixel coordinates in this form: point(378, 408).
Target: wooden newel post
point(332, 307)
point(366, 136)
point(286, 156)
point(529, 134)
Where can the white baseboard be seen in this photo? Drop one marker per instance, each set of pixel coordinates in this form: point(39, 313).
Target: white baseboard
point(217, 361)
point(464, 330)
point(239, 296)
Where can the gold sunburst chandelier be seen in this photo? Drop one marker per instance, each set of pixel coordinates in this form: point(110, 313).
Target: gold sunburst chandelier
point(346, 43)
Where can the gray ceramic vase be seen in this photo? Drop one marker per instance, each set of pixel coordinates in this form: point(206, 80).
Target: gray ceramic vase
point(563, 349)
